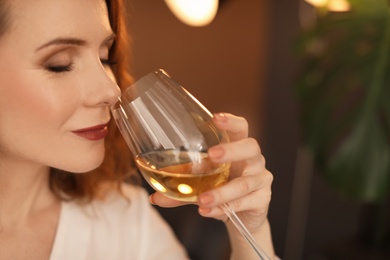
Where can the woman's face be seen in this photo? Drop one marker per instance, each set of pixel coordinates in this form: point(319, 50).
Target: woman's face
point(55, 84)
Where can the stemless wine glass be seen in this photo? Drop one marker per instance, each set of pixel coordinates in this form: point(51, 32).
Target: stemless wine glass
point(169, 131)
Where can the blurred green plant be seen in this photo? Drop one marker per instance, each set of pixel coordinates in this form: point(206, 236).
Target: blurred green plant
point(344, 97)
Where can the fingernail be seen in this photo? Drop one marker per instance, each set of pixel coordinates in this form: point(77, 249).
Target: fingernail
point(215, 152)
point(204, 211)
point(220, 117)
point(151, 201)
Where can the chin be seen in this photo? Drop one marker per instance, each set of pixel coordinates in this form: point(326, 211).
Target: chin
point(82, 164)
point(83, 169)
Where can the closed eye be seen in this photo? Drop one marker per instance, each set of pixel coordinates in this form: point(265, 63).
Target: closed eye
point(108, 62)
point(60, 69)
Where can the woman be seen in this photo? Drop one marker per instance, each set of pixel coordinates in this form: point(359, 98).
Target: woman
point(60, 64)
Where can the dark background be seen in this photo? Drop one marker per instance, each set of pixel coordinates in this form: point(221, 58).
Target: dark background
point(244, 63)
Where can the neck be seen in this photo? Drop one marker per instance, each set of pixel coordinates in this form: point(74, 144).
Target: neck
point(24, 191)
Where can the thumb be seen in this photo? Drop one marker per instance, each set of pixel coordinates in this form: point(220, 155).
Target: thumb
point(161, 200)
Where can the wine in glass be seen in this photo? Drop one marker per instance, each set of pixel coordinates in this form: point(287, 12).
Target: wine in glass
point(169, 132)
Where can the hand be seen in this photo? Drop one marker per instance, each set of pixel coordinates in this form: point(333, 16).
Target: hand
point(248, 191)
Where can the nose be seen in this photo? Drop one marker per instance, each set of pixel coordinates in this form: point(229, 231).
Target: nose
point(102, 89)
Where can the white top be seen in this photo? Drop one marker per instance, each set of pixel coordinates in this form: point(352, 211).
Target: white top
point(115, 229)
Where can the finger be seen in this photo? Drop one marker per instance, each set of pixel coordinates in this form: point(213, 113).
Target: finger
point(241, 187)
point(254, 167)
point(236, 189)
point(256, 203)
point(161, 200)
point(236, 127)
point(245, 149)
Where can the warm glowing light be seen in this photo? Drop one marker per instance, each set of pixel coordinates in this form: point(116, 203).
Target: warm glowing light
point(331, 5)
point(318, 3)
point(157, 185)
point(194, 12)
point(339, 6)
point(184, 188)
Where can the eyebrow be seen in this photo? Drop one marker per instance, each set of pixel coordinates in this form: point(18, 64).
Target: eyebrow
point(70, 41)
point(63, 41)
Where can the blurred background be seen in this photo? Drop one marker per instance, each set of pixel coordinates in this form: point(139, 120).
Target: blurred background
point(245, 62)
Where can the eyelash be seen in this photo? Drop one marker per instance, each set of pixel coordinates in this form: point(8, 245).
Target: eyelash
point(108, 62)
point(60, 69)
point(67, 68)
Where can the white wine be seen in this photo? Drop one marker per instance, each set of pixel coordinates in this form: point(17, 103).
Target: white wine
point(181, 175)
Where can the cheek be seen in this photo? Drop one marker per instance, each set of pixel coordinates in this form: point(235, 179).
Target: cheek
point(32, 114)
point(34, 104)
point(36, 121)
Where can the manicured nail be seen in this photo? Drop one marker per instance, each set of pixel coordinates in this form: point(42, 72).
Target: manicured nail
point(151, 200)
point(216, 152)
point(204, 211)
point(220, 117)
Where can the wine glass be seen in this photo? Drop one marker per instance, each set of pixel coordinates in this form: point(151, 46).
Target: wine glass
point(169, 131)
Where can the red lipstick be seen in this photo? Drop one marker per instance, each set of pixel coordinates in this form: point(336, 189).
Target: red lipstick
point(93, 133)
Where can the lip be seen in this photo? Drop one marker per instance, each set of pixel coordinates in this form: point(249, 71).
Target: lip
point(93, 133)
